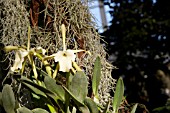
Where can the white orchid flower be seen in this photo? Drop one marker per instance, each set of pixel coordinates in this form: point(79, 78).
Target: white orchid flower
point(19, 59)
point(21, 54)
point(65, 58)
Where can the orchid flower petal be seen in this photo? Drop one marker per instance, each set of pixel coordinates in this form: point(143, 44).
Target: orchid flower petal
point(19, 59)
point(65, 59)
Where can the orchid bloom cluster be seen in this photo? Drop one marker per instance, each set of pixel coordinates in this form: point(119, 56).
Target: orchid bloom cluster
point(66, 58)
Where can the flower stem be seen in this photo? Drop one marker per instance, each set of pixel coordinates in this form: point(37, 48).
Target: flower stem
point(33, 66)
point(76, 66)
point(56, 70)
point(73, 70)
point(67, 96)
point(46, 64)
point(48, 68)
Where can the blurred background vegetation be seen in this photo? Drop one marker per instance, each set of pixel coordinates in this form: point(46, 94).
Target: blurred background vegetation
point(138, 42)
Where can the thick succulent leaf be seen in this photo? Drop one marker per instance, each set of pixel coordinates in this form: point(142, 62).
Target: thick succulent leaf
point(91, 105)
point(78, 86)
point(39, 90)
point(24, 110)
point(52, 86)
point(134, 108)
point(96, 76)
point(35, 90)
point(78, 103)
point(35, 87)
point(84, 109)
point(118, 96)
point(8, 99)
point(39, 110)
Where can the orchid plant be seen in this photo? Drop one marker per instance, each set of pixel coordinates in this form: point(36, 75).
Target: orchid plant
point(69, 97)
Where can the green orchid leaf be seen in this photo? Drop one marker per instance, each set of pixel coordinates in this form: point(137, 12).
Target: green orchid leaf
point(52, 108)
point(8, 99)
point(35, 90)
point(77, 102)
point(118, 96)
point(84, 109)
point(91, 105)
point(52, 86)
point(78, 86)
point(41, 91)
point(39, 110)
point(96, 76)
point(35, 87)
point(24, 110)
point(134, 108)
point(32, 86)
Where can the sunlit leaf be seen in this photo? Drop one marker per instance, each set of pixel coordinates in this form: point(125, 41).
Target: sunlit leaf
point(78, 103)
point(78, 91)
point(118, 96)
point(134, 108)
point(52, 86)
point(96, 76)
point(82, 107)
point(78, 86)
point(51, 108)
point(8, 99)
